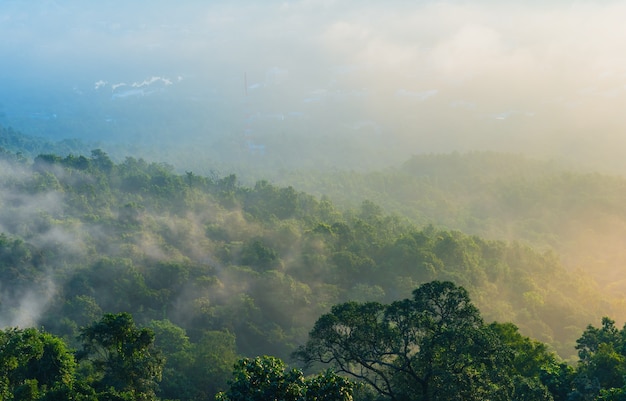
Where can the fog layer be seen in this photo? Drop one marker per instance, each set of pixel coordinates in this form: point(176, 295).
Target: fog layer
point(296, 80)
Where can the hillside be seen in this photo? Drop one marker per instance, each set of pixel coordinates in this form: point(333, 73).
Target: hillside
point(577, 214)
point(84, 235)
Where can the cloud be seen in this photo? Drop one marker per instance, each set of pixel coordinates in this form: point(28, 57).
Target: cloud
point(99, 84)
point(550, 57)
point(150, 81)
point(30, 306)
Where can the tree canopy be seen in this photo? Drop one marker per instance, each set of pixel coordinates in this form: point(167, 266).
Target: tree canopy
point(267, 378)
point(220, 270)
point(434, 346)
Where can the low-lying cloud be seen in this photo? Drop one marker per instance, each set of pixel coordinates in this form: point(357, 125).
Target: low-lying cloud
point(540, 77)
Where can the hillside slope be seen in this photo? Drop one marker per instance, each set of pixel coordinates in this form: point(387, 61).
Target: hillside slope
point(83, 235)
point(577, 214)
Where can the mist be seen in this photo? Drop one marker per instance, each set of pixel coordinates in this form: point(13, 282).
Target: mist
point(307, 84)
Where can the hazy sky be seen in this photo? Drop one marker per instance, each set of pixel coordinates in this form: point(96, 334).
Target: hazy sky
point(455, 75)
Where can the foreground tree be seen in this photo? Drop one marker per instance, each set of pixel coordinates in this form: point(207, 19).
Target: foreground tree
point(601, 369)
point(431, 347)
point(267, 378)
point(35, 365)
point(123, 361)
point(537, 372)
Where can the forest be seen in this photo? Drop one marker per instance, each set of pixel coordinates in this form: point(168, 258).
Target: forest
point(462, 279)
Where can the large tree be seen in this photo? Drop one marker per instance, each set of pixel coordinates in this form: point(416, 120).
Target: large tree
point(123, 358)
point(432, 347)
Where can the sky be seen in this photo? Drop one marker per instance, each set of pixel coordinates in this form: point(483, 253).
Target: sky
point(546, 78)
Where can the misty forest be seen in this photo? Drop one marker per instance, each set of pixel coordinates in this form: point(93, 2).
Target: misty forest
point(312, 201)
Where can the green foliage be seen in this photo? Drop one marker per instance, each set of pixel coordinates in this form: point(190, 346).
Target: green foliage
point(431, 347)
point(328, 386)
point(124, 360)
point(602, 364)
point(259, 255)
point(498, 196)
point(267, 378)
point(222, 270)
point(157, 237)
point(264, 378)
point(537, 372)
point(214, 355)
point(34, 365)
point(613, 394)
point(531, 358)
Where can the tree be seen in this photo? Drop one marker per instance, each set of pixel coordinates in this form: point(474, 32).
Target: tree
point(214, 354)
point(431, 347)
point(328, 386)
point(173, 342)
point(101, 161)
point(34, 365)
point(264, 378)
point(125, 363)
point(267, 378)
point(537, 372)
point(260, 256)
point(602, 363)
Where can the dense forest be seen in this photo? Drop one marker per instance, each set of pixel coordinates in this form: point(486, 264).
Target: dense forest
point(547, 205)
point(200, 271)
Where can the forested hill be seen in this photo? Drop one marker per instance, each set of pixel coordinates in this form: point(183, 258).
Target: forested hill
point(83, 235)
point(578, 214)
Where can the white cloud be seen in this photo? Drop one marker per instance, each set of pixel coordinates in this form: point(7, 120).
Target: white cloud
point(99, 84)
point(31, 306)
point(150, 81)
